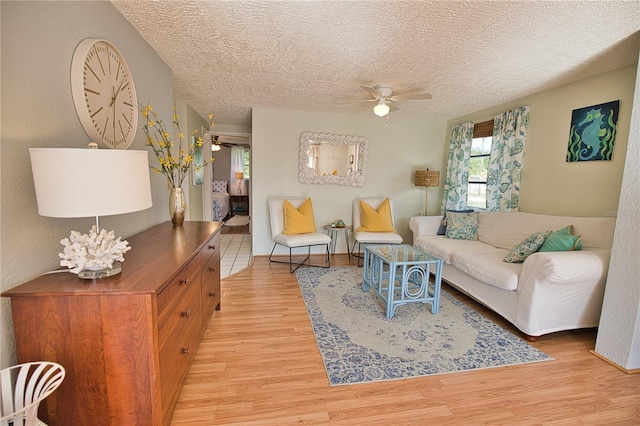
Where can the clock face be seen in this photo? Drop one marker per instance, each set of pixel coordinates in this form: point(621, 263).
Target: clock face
point(104, 94)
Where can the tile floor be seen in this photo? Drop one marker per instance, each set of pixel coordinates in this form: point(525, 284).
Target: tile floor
point(235, 252)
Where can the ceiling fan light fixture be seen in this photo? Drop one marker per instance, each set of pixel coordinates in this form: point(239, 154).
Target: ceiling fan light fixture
point(215, 147)
point(381, 109)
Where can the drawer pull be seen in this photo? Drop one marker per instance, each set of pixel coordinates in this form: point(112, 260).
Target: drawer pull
point(185, 314)
point(184, 281)
point(212, 268)
point(212, 295)
point(212, 246)
point(185, 350)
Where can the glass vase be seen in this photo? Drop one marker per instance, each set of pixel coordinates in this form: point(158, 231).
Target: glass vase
point(177, 206)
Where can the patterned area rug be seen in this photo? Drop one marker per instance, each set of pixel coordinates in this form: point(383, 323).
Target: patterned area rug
point(359, 344)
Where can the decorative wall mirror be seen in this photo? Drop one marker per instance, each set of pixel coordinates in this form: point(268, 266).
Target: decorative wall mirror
point(325, 158)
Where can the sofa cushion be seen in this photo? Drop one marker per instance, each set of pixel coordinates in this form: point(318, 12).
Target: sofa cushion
point(443, 248)
point(487, 266)
point(506, 229)
point(462, 226)
point(526, 247)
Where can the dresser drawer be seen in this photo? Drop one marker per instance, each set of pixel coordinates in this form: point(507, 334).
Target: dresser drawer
point(175, 291)
point(210, 288)
point(178, 342)
point(212, 246)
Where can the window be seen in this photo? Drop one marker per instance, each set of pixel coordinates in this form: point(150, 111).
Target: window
point(245, 160)
point(479, 164)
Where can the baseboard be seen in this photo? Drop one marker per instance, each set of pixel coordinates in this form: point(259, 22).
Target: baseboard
point(632, 371)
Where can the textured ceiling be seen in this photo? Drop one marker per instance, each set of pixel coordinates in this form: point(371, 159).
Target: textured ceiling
point(230, 56)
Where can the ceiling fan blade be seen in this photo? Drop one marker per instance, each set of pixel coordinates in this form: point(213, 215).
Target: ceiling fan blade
point(416, 97)
point(392, 106)
point(372, 91)
point(357, 102)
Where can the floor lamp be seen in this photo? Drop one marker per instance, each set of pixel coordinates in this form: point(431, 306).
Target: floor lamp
point(427, 178)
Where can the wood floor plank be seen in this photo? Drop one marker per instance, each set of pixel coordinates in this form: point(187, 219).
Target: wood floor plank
point(259, 364)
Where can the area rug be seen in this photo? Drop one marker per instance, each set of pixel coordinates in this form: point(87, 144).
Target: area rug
point(359, 344)
point(237, 220)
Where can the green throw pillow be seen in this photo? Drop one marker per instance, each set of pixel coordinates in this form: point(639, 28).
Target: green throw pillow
point(556, 242)
point(526, 247)
point(462, 226)
point(562, 240)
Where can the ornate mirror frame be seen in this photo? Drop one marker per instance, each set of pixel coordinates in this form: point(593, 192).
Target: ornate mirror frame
point(307, 175)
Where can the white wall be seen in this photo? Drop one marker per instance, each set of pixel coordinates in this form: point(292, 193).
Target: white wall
point(397, 148)
point(619, 331)
point(550, 185)
point(38, 41)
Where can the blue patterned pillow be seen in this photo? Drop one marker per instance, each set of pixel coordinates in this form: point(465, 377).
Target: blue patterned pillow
point(219, 186)
point(526, 247)
point(462, 226)
point(442, 230)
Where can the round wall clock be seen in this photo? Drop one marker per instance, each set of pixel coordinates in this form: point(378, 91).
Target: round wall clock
point(104, 94)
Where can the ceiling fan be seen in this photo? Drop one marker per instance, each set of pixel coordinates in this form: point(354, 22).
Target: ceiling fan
point(385, 98)
point(227, 141)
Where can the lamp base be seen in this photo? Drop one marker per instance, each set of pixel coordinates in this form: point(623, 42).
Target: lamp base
point(89, 274)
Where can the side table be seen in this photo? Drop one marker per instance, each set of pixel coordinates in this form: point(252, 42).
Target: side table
point(239, 204)
point(333, 232)
point(400, 274)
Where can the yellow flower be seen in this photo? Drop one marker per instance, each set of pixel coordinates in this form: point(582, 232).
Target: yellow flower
point(175, 168)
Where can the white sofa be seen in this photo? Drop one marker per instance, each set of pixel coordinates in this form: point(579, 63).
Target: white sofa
point(549, 291)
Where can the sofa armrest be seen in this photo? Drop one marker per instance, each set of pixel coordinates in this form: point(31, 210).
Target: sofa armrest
point(566, 267)
point(424, 225)
point(561, 290)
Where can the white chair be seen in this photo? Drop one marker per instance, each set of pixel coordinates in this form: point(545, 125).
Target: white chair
point(370, 238)
point(276, 217)
point(23, 387)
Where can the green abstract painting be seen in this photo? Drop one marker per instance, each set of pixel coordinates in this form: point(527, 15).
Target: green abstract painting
point(593, 132)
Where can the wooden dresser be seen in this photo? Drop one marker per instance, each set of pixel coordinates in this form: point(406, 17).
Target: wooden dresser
point(125, 341)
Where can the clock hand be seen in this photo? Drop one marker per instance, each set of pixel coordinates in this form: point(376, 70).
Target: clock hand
point(115, 95)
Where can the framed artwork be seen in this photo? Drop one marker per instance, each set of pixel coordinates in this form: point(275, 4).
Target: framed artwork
point(198, 169)
point(593, 132)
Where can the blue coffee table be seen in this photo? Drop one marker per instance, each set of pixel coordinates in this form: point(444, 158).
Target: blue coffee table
point(399, 274)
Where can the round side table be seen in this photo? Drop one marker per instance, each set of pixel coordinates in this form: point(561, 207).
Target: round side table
point(333, 233)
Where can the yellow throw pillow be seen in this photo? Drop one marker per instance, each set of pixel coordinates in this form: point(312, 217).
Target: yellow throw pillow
point(375, 220)
point(300, 220)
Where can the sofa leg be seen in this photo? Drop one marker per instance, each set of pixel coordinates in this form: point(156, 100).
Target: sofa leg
point(530, 338)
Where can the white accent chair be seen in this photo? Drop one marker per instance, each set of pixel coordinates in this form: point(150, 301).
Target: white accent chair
point(23, 387)
point(370, 238)
point(276, 217)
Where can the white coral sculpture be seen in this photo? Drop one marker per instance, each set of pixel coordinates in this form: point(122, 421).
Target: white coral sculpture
point(94, 251)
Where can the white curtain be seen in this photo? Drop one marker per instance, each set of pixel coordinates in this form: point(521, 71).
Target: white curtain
point(505, 161)
point(238, 186)
point(454, 196)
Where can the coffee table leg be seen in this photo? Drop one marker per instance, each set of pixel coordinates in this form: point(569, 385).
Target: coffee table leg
point(390, 290)
point(437, 282)
point(366, 273)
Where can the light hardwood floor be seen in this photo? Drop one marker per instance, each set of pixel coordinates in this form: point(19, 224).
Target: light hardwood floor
point(259, 364)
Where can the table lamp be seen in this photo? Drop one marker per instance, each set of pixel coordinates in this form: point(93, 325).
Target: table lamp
point(427, 178)
point(71, 183)
point(240, 186)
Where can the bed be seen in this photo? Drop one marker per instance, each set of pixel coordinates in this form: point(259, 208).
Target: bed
point(220, 200)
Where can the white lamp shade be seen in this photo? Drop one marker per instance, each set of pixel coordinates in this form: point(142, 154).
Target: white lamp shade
point(381, 109)
point(90, 182)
